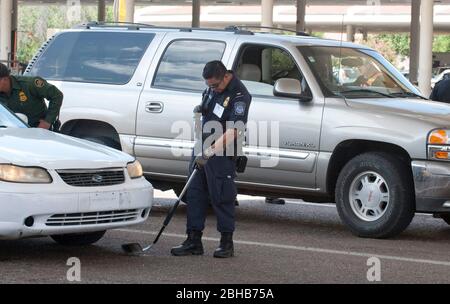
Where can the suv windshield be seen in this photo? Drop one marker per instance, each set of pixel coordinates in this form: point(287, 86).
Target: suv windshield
point(9, 120)
point(355, 73)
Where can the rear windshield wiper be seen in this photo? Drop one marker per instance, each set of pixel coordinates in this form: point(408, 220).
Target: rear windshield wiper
point(407, 94)
point(366, 91)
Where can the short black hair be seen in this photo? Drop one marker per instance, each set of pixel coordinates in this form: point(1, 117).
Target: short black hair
point(4, 71)
point(214, 69)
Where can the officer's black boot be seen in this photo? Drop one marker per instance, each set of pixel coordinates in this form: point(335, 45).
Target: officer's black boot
point(226, 248)
point(192, 245)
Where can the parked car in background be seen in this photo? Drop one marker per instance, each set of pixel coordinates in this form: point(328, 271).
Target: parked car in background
point(352, 129)
point(64, 187)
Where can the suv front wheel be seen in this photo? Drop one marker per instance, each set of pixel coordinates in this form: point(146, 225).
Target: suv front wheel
point(374, 195)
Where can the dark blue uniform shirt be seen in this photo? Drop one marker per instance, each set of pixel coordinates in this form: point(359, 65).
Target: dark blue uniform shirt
point(441, 91)
point(231, 105)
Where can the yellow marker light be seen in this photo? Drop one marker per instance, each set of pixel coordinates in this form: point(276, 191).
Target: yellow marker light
point(441, 155)
point(438, 137)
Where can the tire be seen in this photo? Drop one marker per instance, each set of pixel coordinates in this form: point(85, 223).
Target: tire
point(445, 218)
point(78, 239)
point(375, 195)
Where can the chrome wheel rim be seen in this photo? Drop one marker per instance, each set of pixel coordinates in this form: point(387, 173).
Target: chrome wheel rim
point(369, 196)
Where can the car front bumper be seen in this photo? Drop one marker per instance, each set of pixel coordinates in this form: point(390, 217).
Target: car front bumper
point(55, 210)
point(432, 186)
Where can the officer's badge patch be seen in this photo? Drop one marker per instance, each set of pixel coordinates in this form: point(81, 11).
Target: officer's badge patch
point(22, 96)
point(225, 103)
point(39, 83)
point(239, 108)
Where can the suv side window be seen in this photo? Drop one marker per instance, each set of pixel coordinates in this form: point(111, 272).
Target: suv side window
point(95, 57)
point(182, 64)
point(260, 66)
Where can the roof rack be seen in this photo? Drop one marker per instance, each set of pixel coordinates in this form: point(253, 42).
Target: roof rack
point(129, 25)
point(237, 29)
point(240, 27)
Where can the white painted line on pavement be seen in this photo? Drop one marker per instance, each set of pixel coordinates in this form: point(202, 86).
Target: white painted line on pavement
point(302, 248)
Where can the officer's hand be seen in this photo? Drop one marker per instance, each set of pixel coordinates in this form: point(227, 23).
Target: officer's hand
point(200, 161)
point(198, 109)
point(43, 124)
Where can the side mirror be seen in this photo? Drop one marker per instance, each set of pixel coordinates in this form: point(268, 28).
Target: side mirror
point(22, 117)
point(288, 87)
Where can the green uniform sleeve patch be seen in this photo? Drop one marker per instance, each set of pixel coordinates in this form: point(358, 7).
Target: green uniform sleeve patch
point(39, 83)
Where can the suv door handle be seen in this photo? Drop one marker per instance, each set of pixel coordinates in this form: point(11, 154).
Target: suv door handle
point(154, 107)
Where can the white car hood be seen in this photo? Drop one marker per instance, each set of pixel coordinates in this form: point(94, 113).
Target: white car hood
point(42, 148)
point(436, 113)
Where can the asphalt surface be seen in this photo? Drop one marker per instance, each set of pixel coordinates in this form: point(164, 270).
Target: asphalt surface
point(293, 243)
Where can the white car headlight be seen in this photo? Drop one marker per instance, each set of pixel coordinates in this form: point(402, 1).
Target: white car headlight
point(135, 169)
point(31, 175)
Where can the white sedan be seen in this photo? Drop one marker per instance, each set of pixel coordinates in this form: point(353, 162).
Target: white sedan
point(64, 187)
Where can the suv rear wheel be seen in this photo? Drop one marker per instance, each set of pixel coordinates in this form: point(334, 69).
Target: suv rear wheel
point(78, 239)
point(374, 195)
point(445, 217)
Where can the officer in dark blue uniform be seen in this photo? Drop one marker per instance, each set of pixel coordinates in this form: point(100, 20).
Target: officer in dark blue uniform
point(441, 90)
point(224, 112)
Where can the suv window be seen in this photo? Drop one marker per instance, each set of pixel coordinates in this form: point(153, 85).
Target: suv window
point(98, 57)
point(354, 73)
point(260, 66)
point(183, 61)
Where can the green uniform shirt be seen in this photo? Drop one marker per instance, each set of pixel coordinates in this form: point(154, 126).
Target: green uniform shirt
point(27, 97)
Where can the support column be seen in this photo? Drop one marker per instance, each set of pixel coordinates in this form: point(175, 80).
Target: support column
point(129, 15)
point(365, 34)
point(350, 33)
point(414, 41)
point(101, 15)
point(124, 10)
point(426, 46)
point(267, 13)
point(6, 7)
point(196, 13)
point(301, 12)
point(14, 27)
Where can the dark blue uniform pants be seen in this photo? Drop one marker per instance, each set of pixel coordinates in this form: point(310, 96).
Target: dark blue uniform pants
point(214, 184)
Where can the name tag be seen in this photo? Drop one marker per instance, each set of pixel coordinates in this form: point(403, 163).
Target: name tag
point(218, 110)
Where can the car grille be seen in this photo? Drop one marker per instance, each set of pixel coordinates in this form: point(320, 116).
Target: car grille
point(92, 178)
point(92, 218)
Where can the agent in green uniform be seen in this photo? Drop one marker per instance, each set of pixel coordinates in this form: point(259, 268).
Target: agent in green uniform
point(26, 95)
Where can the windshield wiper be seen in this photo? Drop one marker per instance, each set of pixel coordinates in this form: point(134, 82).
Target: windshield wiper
point(407, 94)
point(366, 91)
point(3, 127)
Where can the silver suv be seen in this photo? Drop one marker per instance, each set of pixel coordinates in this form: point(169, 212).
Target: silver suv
point(349, 127)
